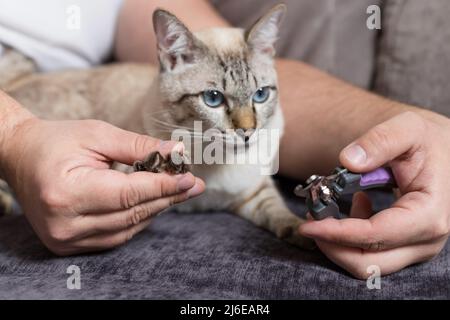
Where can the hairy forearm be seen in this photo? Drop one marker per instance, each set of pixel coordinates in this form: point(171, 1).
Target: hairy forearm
point(323, 114)
point(12, 115)
point(135, 39)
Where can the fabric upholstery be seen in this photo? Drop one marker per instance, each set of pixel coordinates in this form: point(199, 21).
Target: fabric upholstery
point(201, 256)
point(414, 55)
point(329, 34)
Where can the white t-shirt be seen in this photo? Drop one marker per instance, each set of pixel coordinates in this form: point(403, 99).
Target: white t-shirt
point(60, 34)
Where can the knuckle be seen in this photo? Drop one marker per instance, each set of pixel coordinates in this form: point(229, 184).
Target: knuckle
point(439, 230)
point(379, 137)
point(60, 235)
point(173, 200)
point(178, 198)
point(416, 121)
point(96, 124)
point(127, 236)
point(159, 187)
point(54, 198)
point(129, 197)
point(138, 213)
point(170, 201)
point(372, 244)
point(141, 144)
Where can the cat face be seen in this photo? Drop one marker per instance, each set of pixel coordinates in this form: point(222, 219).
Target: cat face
point(222, 77)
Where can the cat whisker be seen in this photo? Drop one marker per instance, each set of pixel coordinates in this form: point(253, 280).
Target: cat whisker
point(199, 137)
point(153, 118)
point(166, 127)
point(169, 125)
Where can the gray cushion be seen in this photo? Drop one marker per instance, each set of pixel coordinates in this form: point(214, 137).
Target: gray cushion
point(414, 53)
point(330, 35)
point(200, 256)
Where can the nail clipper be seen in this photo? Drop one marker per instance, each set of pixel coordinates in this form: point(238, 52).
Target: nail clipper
point(323, 192)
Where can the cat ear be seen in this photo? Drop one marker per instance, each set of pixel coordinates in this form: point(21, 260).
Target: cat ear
point(176, 44)
point(261, 37)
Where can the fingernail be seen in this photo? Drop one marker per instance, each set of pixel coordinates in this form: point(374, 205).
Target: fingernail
point(355, 154)
point(196, 190)
point(186, 182)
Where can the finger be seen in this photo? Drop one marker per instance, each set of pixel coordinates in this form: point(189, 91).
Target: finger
point(361, 206)
point(127, 147)
point(407, 222)
point(106, 223)
point(109, 190)
point(384, 143)
point(109, 240)
point(357, 261)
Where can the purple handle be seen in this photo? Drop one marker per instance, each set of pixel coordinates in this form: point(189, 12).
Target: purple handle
point(379, 177)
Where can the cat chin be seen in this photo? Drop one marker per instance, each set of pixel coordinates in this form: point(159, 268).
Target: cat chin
point(241, 145)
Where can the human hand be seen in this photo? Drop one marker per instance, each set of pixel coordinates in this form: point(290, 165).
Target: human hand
point(61, 174)
point(416, 227)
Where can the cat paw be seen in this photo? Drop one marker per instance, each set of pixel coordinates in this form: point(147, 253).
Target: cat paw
point(289, 232)
point(155, 162)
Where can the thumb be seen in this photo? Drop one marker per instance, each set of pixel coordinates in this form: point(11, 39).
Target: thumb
point(385, 142)
point(127, 147)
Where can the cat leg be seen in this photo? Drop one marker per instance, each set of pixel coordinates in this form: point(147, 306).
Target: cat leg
point(266, 209)
point(6, 199)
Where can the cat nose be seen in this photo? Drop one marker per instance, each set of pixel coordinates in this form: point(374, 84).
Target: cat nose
point(245, 134)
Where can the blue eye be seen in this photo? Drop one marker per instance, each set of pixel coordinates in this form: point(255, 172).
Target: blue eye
point(213, 98)
point(261, 95)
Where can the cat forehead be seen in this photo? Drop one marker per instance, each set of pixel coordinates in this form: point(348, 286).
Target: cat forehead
point(223, 39)
point(228, 50)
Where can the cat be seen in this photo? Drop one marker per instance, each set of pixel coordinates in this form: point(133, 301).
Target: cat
point(223, 77)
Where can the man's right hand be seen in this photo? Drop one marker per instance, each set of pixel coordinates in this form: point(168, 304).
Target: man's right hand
point(61, 174)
